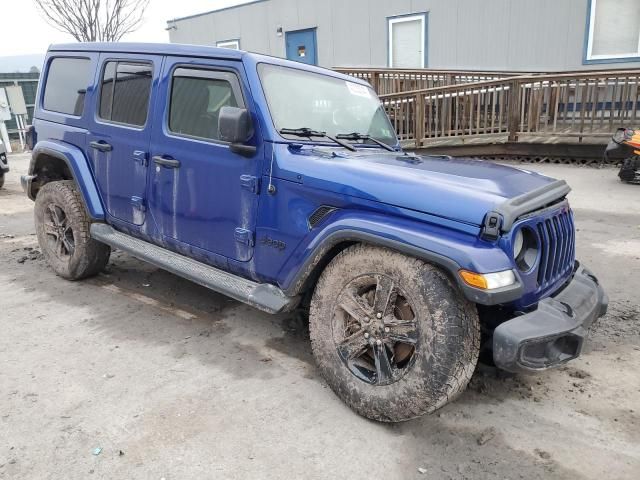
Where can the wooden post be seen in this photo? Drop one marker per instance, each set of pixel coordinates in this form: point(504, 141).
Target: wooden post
point(514, 110)
point(419, 126)
point(375, 81)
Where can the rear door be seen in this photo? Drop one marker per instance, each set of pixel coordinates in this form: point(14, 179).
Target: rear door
point(121, 131)
point(202, 194)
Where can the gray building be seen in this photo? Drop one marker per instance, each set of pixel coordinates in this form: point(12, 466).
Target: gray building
point(538, 35)
point(29, 83)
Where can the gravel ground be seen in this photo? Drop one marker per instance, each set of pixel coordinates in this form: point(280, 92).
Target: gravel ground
point(139, 374)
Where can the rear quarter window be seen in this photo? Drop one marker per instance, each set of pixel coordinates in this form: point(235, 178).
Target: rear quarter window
point(66, 85)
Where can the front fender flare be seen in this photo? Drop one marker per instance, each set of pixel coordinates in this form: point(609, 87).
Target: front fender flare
point(451, 250)
point(78, 165)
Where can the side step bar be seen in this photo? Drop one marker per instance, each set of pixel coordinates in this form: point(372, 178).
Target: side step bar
point(264, 296)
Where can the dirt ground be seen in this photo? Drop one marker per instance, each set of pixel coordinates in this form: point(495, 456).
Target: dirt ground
point(173, 381)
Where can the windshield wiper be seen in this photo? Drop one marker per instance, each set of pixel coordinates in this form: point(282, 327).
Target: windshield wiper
point(361, 136)
point(308, 133)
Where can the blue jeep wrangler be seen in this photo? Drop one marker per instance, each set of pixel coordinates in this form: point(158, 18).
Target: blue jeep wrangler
point(283, 186)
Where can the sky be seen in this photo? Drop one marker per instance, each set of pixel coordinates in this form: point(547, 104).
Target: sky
point(24, 32)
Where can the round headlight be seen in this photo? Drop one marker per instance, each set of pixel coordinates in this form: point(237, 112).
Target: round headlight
point(525, 249)
point(518, 243)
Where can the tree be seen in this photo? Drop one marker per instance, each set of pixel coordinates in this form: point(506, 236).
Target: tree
point(93, 20)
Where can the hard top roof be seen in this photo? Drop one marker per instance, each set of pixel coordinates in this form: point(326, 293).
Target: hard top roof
point(185, 50)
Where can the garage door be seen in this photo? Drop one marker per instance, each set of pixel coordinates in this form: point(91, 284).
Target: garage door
point(407, 42)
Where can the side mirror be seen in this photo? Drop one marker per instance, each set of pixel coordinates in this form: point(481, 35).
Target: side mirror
point(235, 127)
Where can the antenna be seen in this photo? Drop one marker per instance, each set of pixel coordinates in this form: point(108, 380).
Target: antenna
point(271, 189)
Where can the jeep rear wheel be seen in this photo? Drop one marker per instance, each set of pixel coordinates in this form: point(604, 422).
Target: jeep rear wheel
point(391, 334)
point(1, 180)
point(62, 226)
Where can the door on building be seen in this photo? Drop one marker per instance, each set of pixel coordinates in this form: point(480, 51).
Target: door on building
point(407, 41)
point(302, 46)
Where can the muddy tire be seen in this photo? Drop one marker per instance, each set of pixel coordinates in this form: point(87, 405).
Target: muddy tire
point(62, 226)
point(391, 334)
point(1, 180)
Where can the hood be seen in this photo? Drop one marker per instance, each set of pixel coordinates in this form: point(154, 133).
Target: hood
point(461, 189)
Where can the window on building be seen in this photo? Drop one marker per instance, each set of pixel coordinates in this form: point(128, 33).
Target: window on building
point(196, 99)
point(125, 91)
point(66, 85)
point(232, 44)
point(614, 30)
point(407, 41)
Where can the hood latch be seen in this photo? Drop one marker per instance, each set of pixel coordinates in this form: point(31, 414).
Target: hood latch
point(492, 226)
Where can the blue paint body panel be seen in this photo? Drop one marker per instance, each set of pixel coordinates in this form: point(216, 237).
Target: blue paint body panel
point(216, 209)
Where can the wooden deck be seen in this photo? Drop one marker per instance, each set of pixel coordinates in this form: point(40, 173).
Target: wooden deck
point(535, 110)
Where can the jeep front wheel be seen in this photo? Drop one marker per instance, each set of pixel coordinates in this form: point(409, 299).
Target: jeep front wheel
point(391, 334)
point(62, 226)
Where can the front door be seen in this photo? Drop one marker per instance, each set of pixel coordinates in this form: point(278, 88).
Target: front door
point(302, 47)
point(202, 194)
point(121, 131)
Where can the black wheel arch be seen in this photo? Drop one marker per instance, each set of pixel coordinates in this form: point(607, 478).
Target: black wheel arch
point(46, 166)
point(337, 241)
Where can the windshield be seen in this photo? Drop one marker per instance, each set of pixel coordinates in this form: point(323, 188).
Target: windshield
point(319, 102)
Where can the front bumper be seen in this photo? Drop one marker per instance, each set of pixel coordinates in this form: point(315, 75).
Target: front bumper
point(554, 333)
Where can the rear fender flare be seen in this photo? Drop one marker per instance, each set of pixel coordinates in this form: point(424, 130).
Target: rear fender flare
point(78, 165)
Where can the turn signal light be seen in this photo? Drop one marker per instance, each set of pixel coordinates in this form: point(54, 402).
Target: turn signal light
point(488, 281)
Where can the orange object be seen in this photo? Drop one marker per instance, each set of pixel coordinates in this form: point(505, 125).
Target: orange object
point(473, 279)
point(635, 140)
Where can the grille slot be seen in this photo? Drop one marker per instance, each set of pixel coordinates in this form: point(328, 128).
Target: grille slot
point(319, 214)
point(557, 248)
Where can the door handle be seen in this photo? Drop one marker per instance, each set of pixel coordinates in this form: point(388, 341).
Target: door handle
point(166, 162)
point(101, 145)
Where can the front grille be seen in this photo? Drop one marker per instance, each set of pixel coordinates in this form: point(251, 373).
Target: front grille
point(557, 247)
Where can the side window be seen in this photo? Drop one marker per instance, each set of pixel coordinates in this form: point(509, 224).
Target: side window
point(125, 91)
point(196, 99)
point(66, 85)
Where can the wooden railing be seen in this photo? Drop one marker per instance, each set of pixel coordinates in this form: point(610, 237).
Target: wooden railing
point(389, 80)
point(584, 107)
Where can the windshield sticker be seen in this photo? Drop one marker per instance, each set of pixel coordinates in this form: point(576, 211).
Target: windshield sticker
point(359, 90)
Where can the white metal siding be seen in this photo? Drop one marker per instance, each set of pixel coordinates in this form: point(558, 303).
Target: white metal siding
point(525, 35)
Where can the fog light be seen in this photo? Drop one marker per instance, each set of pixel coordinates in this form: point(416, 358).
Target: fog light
point(488, 281)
